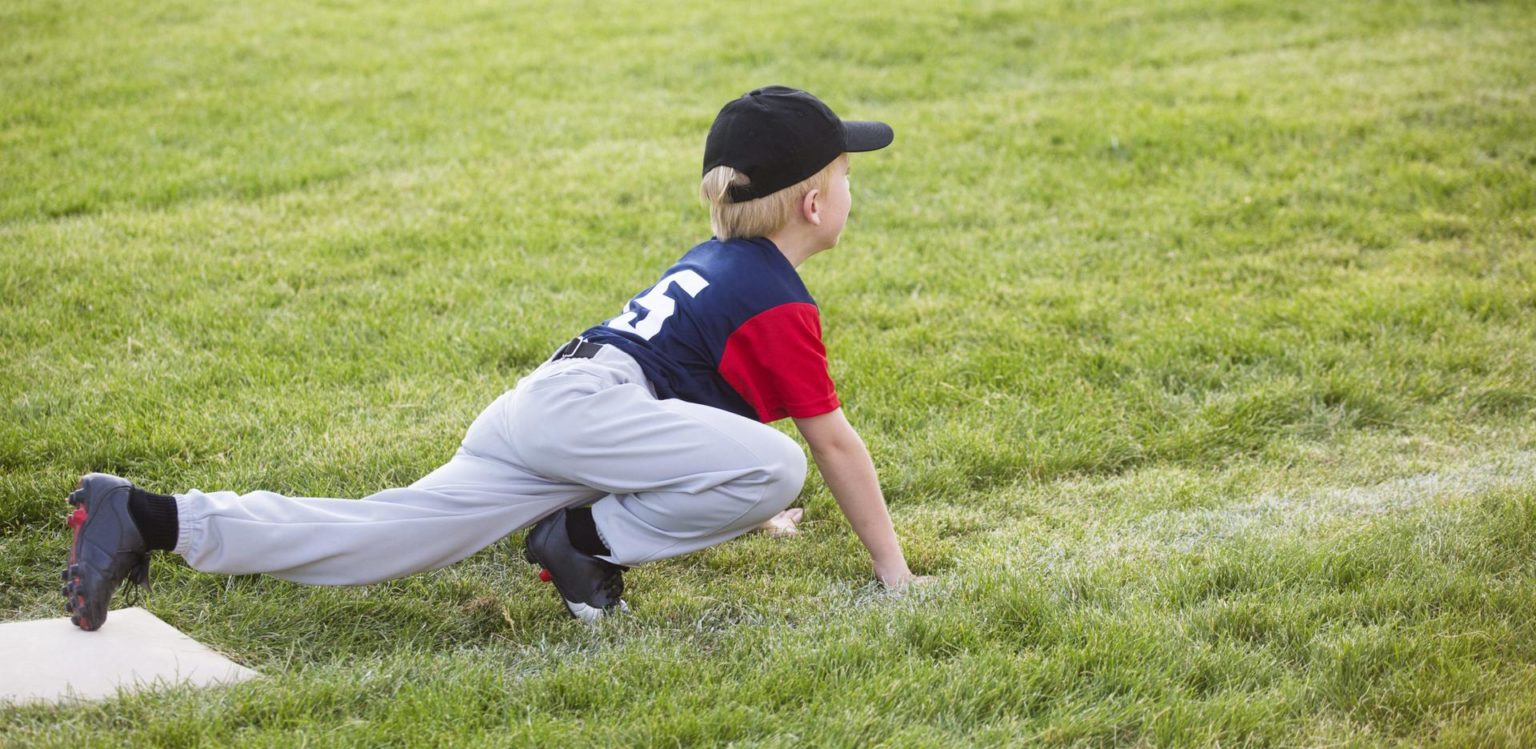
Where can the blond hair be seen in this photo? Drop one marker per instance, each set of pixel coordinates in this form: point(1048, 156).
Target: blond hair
point(754, 218)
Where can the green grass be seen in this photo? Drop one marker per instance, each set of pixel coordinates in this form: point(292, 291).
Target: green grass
point(1195, 342)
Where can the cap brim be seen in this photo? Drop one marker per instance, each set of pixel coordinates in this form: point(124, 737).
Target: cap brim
point(867, 136)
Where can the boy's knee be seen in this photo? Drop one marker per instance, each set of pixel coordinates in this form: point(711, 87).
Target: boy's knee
point(786, 476)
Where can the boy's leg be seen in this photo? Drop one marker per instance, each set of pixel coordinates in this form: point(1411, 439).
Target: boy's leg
point(760, 472)
point(478, 497)
point(677, 476)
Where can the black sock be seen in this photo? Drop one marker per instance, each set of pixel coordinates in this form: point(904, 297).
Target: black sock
point(582, 530)
point(155, 516)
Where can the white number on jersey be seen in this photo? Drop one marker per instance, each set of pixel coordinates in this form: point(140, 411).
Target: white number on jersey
point(657, 305)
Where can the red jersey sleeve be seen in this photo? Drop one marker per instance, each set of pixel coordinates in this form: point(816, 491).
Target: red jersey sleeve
point(778, 364)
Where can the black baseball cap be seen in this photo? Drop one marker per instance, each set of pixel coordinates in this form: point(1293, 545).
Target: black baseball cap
point(778, 136)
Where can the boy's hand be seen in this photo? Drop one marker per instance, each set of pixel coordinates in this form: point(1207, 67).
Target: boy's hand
point(783, 524)
point(905, 580)
point(850, 474)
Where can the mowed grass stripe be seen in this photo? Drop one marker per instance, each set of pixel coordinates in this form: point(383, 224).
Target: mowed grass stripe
point(1371, 625)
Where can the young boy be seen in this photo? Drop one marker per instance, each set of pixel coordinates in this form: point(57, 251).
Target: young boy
point(643, 438)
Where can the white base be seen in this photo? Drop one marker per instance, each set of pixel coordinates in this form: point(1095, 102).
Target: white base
point(51, 660)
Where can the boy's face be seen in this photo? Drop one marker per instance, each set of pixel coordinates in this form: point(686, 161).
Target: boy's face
point(836, 202)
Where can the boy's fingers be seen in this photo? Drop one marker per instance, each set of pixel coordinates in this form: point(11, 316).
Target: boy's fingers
point(915, 581)
point(783, 524)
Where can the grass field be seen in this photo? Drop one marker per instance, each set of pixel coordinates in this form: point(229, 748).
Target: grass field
point(1195, 343)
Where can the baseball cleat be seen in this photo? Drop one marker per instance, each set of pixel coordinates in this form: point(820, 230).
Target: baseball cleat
point(590, 587)
point(106, 549)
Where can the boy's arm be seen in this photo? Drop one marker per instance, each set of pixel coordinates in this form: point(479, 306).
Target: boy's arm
point(850, 474)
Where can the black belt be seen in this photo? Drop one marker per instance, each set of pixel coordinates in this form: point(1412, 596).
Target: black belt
point(578, 348)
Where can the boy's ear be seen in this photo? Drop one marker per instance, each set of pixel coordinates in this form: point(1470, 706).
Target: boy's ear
point(810, 209)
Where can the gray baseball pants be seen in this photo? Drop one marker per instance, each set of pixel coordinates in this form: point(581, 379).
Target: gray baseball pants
point(664, 478)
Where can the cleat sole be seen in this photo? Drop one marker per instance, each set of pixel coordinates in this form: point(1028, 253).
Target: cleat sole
point(104, 573)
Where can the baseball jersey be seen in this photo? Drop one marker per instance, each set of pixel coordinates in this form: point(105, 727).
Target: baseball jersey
point(732, 326)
